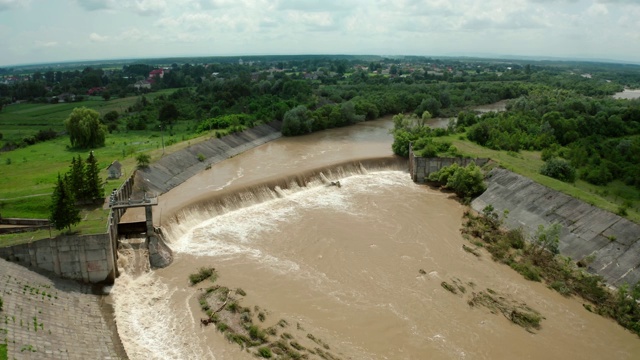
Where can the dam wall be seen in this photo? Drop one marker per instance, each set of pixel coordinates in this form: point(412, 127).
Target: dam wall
point(421, 167)
point(611, 242)
point(176, 168)
point(87, 258)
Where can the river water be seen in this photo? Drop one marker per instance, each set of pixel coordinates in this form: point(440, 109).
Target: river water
point(628, 94)
point(359, 266)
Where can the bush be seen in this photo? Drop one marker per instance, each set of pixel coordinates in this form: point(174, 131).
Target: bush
point(559, 169)
point(265, 352)
point(143, 160)
point(464, 181)
point(203, 274)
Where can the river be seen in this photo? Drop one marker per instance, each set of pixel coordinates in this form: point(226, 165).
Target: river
point(628, 94)
point(359, 266)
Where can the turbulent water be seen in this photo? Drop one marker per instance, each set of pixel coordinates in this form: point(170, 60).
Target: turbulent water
point(359, 266)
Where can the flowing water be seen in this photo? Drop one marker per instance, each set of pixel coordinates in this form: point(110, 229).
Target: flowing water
point(628, 94)
point(359, 266)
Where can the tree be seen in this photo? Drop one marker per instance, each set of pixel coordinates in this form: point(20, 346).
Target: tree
point(76, 177)
point(168, 113)
point(63, 211)
point(93, 183)
point(106, 95)
point(85, 129)
point(297, 121)
point(464, 181)
point(559, 169)
point(547, 238)
point(143, 160)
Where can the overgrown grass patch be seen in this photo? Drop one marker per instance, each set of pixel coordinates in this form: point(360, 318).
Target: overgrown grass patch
point(534, 262)
point(203, 273)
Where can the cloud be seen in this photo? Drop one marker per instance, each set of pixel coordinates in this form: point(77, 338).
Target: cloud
point(317, 5)
point(13, 4)
point(97, 38)
point(46, 44)
point(215, 4)
point(149, 7)
point(94, 5)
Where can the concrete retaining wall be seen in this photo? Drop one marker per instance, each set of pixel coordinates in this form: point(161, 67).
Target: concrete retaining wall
point(421, 167)
point(587, 230)
point(87, 258)
point(26, 222)
point(174, 169)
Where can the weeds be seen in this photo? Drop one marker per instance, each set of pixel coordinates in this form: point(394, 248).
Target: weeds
point(537, 261)
point(203, 274)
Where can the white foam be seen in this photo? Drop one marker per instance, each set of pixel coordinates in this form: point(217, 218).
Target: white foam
point(148, 325)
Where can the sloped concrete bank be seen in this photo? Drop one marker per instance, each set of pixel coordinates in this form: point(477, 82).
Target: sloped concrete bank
point(45, 317)
point(174, 169)
point(611, 240)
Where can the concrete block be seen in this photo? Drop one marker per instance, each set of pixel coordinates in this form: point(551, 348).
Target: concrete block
point(94, 255)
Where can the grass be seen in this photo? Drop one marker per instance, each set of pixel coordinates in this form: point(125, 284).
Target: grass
point(3, 352)
point(21, 120)
point(29, 174)
point(528, 164)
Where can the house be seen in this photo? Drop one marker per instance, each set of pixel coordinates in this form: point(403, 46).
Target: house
point(156, 73)
point(114, 170)
point(142, 84)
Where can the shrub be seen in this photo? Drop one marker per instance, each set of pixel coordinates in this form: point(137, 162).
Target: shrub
point(559, 169)
point(201, 157)
point(143, 160)
point(265, 352)
point(203, 274)
point(464, 181)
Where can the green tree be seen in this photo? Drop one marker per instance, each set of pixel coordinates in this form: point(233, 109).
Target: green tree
point(297, 121)
point(63, 211)
point(93, 183)
point(464, 181)
point(76, 177)
point(547, 238)
point(168, 113)
point(143, 160)
point(559, 169)
point(85, 129)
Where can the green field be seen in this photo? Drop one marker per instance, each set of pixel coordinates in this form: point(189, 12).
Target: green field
point(528, 163)
point(29, 174)
point(20, 120)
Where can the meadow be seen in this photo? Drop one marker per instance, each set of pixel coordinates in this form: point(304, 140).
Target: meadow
point(29, 173)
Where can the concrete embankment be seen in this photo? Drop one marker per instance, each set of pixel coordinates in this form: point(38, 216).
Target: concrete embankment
point(609, 243)
point(45, 317)
point(174, 169)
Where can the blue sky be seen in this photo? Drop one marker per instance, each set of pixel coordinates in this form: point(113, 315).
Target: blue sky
point(38, 31)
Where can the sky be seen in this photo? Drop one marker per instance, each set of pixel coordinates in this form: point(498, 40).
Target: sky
point(43, 31)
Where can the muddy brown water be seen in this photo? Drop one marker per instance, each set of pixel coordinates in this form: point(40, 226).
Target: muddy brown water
point(628, 94)
point(342, 264)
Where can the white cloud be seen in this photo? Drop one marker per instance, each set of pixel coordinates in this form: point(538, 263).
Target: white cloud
point(94, 37)
point(149, 7)
point(13, 4)
point(46, 44)
point(597, 10)
point(93, 5)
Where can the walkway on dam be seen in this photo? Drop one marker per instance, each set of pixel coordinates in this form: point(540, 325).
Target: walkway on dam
point(51, 318)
